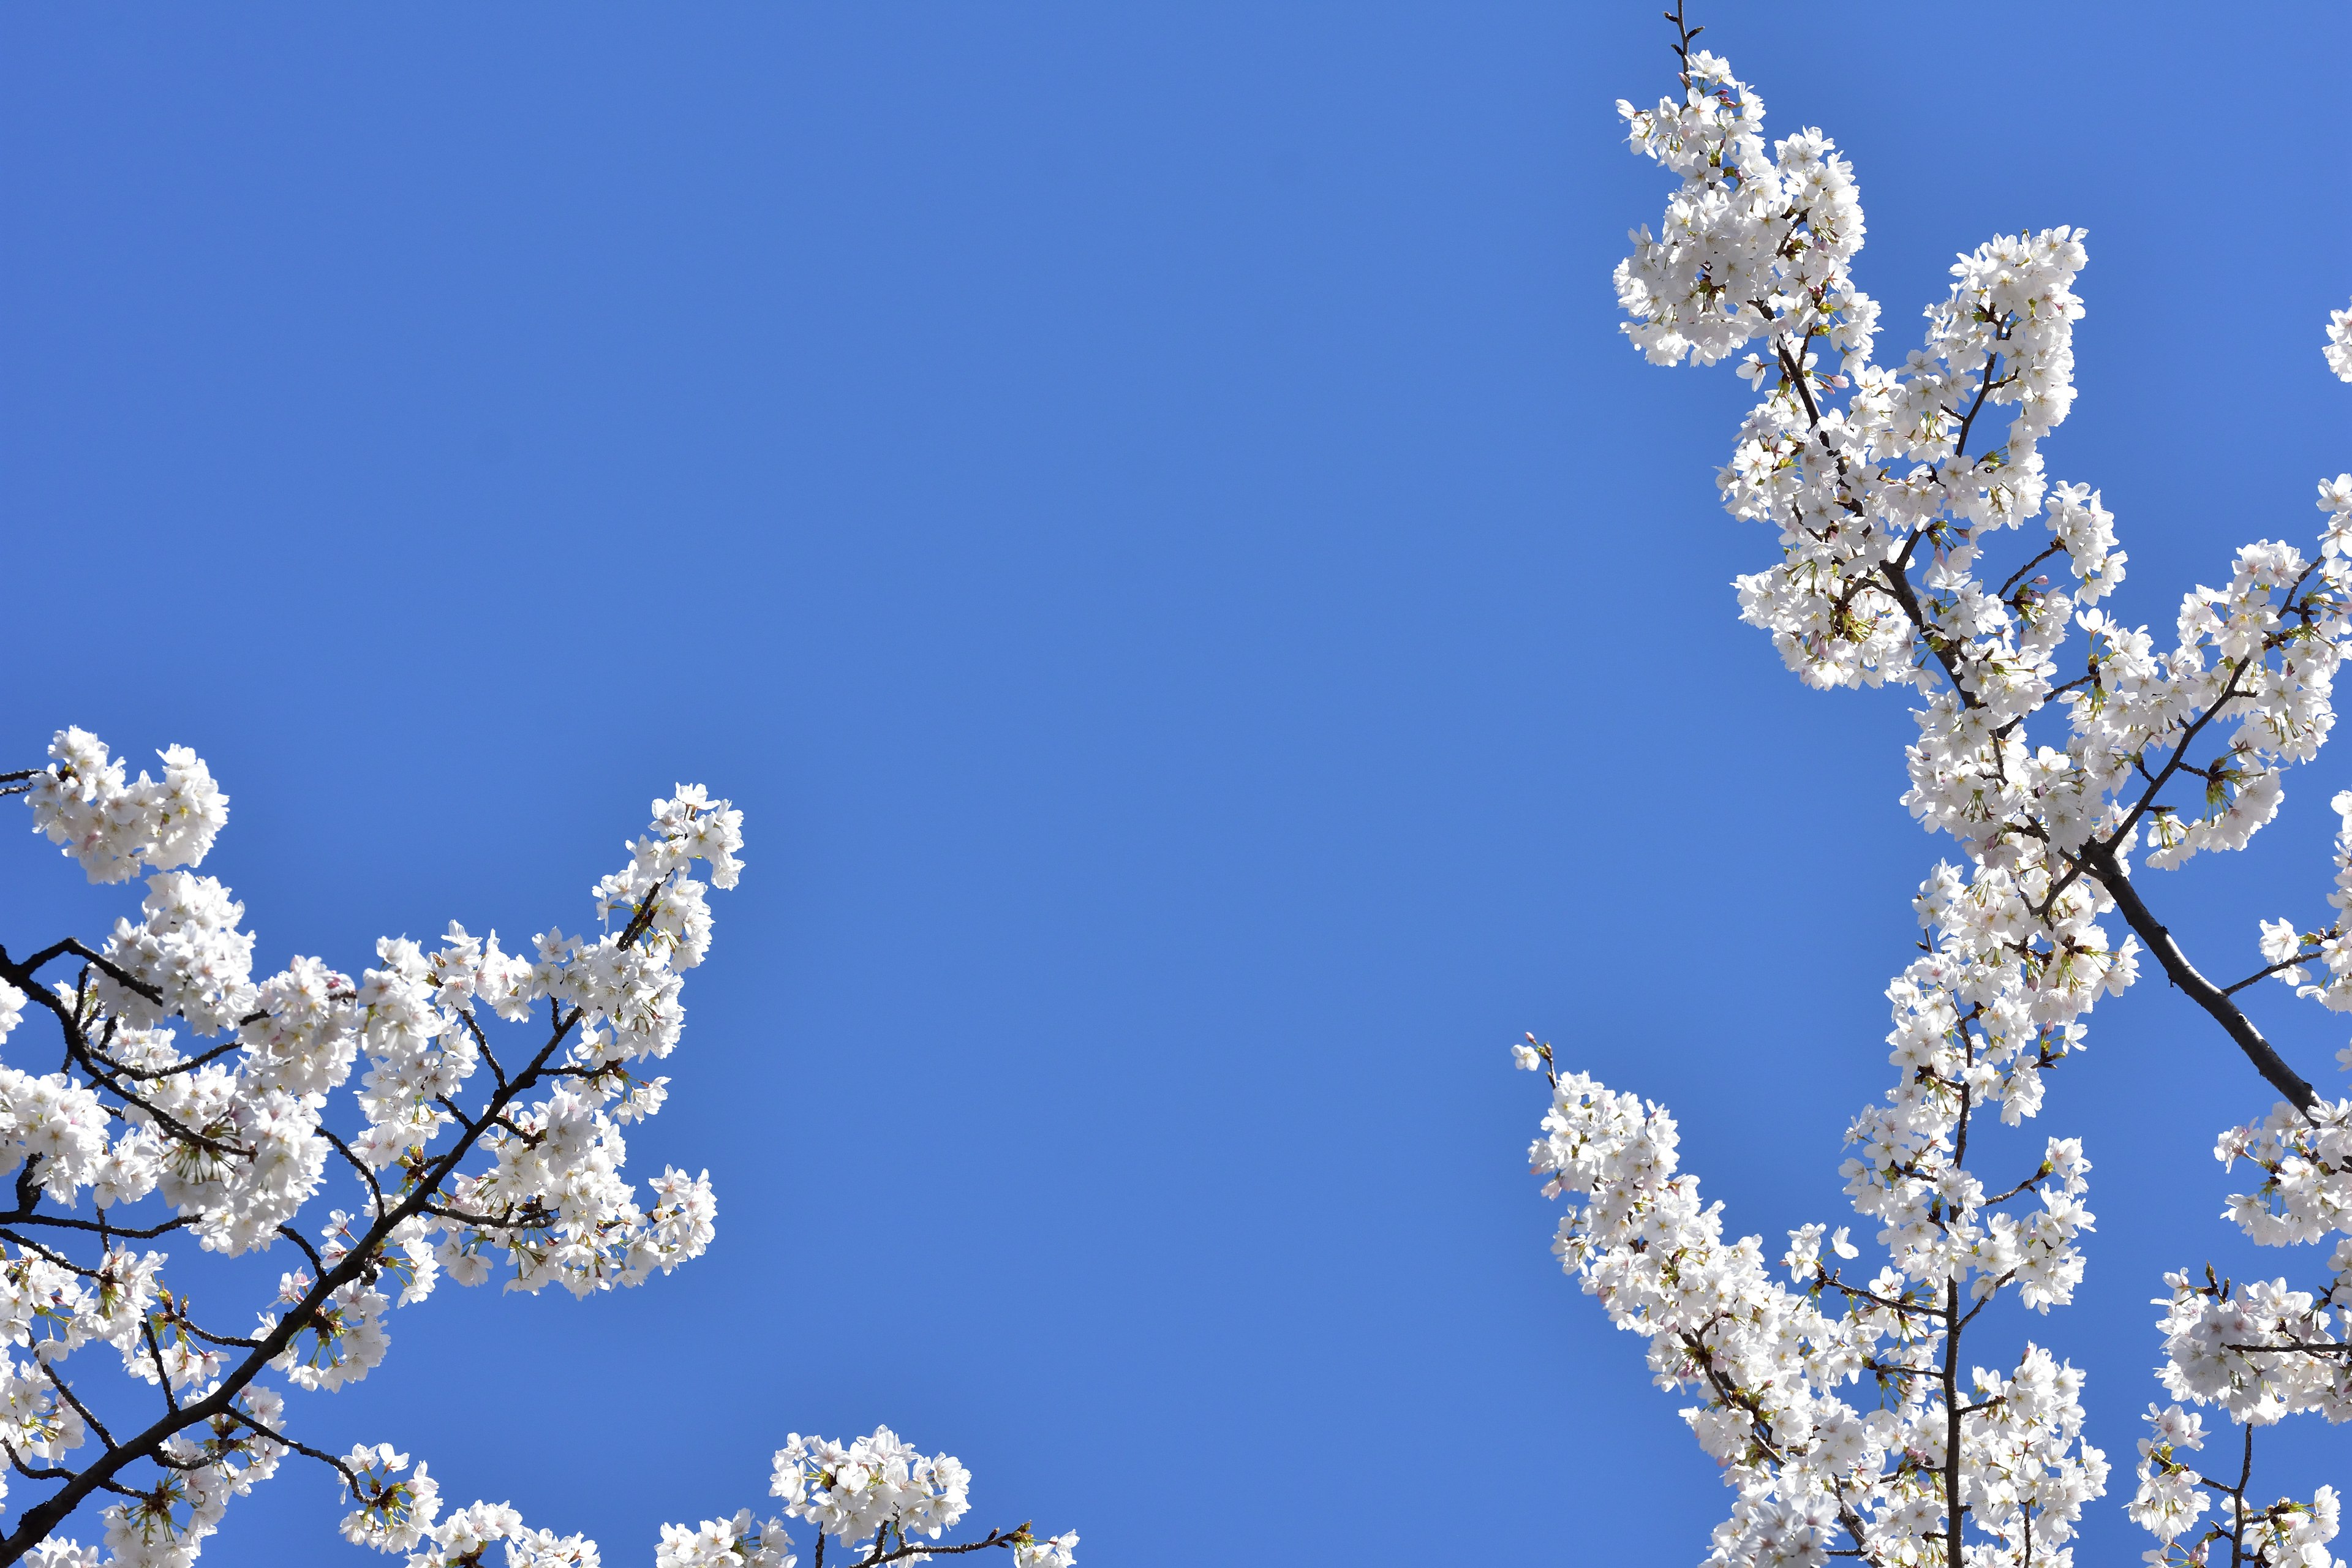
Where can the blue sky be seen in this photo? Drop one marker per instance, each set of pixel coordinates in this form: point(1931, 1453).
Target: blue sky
point(1146, 510)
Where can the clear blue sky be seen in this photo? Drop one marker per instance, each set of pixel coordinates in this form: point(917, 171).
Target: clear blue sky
point(1146, 508)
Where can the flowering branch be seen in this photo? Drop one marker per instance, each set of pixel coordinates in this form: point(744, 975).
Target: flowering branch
point(1885, 512)
point(234, 1137)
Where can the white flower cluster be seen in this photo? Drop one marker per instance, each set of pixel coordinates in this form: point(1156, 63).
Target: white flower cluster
point(2252, 671)
point(2230, 1346)
point(2017, 959)
point(1053, 1551)
point(51, 1309)
point(2288, 951)
point(1818, 1470)
point(1750, 240)
point(403, 1513)
point(873, 1495)
point(2263, 1350)
point(738, 1543)
point(117, 829)
point(881, 1489)
point(2215, 1337)
point(1868, 474)
point(190, 1083)
point(2016, 955)
point(2172, 1497)
point(166, 1527)
point(1887, 485)
point(552, 1205)
point(859, 1490)
point(236, 1142)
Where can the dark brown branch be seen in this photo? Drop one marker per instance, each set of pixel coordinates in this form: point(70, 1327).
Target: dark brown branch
point(2102, 863)
point(309, 1251)
point(1682, 49)
point(59, 1258)
point(1899, 584)
point(100, 961)
point(2299, 959)
point(1984, 387)
point(243, 1420)
point(155, 1353)
point(180, 1318)
point(104, 1227)
point(482, 1044)
point(2238, 1496)
point(89, 1415)
point(356, 1163)
point(2015, 578)
point(45, 1473)
point(1005, 1538)
point(2099, 859)
point(188, 1064)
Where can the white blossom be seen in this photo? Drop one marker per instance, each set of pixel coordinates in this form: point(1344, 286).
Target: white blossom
point(117, 829)
point(464, 1102)
point(1834, 1394)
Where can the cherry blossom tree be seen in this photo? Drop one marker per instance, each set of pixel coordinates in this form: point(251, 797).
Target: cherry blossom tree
point(484, 1141)
point(1852, 1401)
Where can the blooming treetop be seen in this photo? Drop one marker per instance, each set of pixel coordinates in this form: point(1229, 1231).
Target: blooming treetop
point(1832, 1390)
point(194, 1099)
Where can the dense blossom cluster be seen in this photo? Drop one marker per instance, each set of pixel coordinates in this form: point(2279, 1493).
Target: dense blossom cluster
point(1830, 1401)
point(2290, 953)
point(197, 1097)
point(881, 1489)
point(2173, 1497)
point(871, 1496)
point(118, 828)
point(1838, 1402)
point(1869, 475)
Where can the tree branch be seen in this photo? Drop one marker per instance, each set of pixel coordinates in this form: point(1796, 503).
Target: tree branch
point(2102, 863)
